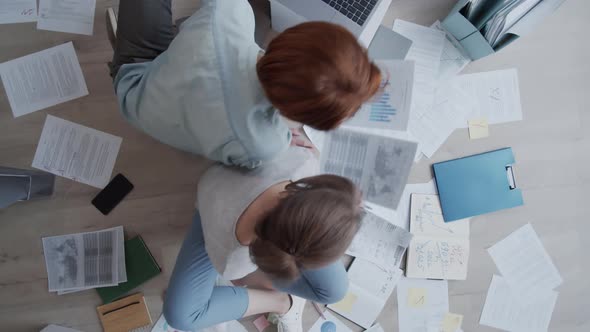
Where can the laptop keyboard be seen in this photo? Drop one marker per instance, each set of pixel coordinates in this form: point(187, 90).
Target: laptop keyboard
point(356, 10)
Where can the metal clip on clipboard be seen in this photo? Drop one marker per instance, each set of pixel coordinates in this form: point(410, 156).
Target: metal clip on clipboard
point(510, 176)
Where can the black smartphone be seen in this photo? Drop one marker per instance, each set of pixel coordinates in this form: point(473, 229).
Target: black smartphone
point(112, 194)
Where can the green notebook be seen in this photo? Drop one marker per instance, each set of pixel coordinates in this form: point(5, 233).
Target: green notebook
point(140, 265)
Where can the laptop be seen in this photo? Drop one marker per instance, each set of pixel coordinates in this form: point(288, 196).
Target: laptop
point(361, 17)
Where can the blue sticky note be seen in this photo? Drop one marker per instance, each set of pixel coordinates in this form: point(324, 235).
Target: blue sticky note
point(477, 184)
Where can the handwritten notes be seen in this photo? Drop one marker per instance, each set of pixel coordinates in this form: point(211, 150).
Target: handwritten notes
point(370, 287)
point(18, 11)
point(426, 316)
point(438, 250)
point(380, 242)
point(478, 128)
point(417, 297)
point(504, 309)
point(73, 16)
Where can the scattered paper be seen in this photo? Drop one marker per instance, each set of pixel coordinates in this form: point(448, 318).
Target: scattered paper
point(504, 309)
point(73, 16)
point(453, 58)
point(380, 242)
point(497, 95)
point(18, 11)
point(82, 260)
point(478, 128)
point(438, 250)
point(451, 322)
point(261, 323)
point(525, 264)
point(427, 317)
point(57, 328)
point(76, 152)
point(330, 324)
point(390, 108)
point(426, 50)
point(43, 79)
point(370, 287)
point(378, 165)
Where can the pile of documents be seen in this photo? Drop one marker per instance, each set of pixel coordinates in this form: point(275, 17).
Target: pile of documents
point(523, 298)
point(82, 261)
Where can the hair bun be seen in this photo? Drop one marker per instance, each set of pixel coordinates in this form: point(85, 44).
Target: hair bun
point(274, 260)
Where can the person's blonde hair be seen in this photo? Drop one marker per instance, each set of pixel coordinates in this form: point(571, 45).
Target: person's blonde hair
point(311, 227)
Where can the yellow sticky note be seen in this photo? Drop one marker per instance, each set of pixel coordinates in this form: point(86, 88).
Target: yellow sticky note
point(451, 322)
point(345, 305)
point(478, 128)
point(416, 297)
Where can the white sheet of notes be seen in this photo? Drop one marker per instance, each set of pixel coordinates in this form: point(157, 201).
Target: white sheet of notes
point(421, 304)
point(43, 79)
point(73, 16)
point(76, 152)
point(18, 11)
point(525, 264)
point(504, 309)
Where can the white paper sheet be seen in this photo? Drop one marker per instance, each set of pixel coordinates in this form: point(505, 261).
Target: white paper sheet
point(76, 152)
point(375, 328)
point(122, 268)
point(330, 324)
point(390, 108)
point(426, 218)
point(426, 50)
point(57, 328)
point(43, 79)
point(426, 314)
point(378, 165)
point(453, 58)
point(370, 287)
point(82, 260)
point(73, 16)
point(18, 11)
point(504, 310)
point(525, 264)
point(380, 242)
point(497, 95)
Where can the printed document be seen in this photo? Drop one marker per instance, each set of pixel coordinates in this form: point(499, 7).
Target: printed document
point(73, 16)
point(82, 260)
point(378, 165)
point(505, 310)
point(76, 152)
point(380, 242)
point(421, 304)
point(43, 79)
point(390, 107)
point(525, 264)
point(18, 11)
point(370, 287)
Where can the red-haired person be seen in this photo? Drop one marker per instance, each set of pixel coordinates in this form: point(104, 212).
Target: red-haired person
point(278, 229)
point(212, 91)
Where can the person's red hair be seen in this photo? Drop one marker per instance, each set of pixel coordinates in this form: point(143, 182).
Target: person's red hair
point(316, 73)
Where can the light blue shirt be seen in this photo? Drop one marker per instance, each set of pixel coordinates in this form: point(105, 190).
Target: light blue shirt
point(202, 95)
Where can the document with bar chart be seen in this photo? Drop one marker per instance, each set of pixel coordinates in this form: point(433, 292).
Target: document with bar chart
point(390, 107)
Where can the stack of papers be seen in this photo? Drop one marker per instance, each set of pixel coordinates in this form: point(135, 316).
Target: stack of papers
point(370, 287)
point(438, 250)
point(522, 299)
point(380, 242)
point(84, 261)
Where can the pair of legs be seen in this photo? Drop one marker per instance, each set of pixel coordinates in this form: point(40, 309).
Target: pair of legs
point(144, 30)
point(194, 302)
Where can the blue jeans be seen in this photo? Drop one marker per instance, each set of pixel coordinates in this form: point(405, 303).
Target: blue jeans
point(193, 301)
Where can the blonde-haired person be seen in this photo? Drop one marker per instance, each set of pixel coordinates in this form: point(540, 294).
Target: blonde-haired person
point(278, 229)
point(210, 90)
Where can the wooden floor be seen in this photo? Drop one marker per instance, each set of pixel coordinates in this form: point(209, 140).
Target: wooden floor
point(552, 148)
